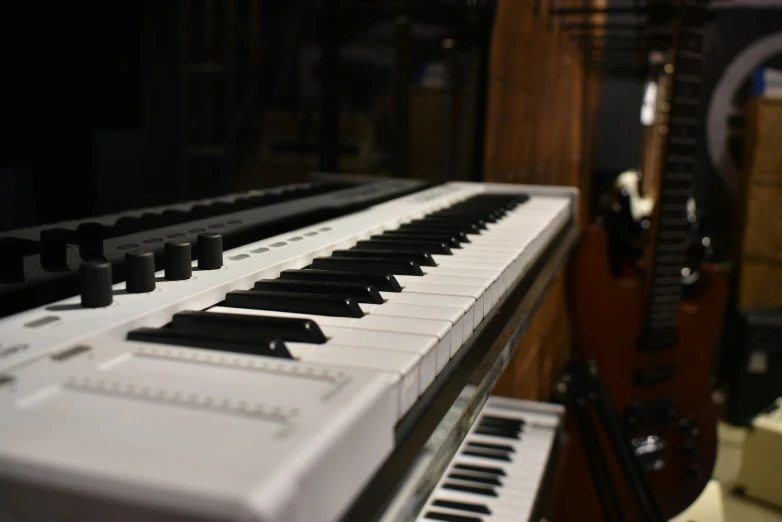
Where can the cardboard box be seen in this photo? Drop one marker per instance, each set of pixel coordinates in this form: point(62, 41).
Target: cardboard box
point(760, 476)
point(763, 163)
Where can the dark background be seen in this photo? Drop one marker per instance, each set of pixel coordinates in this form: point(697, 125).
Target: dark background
point(108, 106)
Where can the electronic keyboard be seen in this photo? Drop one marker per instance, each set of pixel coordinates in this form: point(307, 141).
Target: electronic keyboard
point(261, 382)
point(500, 470)
point(41, 264)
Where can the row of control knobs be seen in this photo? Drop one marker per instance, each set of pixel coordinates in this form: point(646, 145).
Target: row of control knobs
point(96, 276)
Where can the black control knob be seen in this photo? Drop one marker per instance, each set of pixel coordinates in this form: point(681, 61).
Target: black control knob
point(95, 279)
point(54, 249)
point(684, 425)
point(90, 241)
point(210, 251)
point(140, 269)
point(179, 260)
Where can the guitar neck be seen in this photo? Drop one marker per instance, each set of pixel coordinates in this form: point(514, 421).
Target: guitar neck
point(667, 253)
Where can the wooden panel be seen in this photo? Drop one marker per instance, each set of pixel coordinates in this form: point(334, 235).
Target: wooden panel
point(542, 353)
point(541, 106)
point(540, 120)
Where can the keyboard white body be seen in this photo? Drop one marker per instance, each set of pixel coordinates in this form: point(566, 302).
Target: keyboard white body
point(153, 432)
point(514, 486)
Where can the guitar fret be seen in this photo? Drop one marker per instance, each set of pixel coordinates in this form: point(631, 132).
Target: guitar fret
point(666, 299)
point(668, 288)
point(672, 248)
point(679, 176)
point(676, 192)
point(675, 217)
point(676, 271)
point(689, 54)
point(679, 222)
point(689, 78)
point(667, 280)
point(665, 308)
point(667, 319)
point(684, 100)
point(662, 325)
point(688, 122)
point(679, 140)
point(673, 256)
point(671, 259)
point(681, 158)
point(670, 234)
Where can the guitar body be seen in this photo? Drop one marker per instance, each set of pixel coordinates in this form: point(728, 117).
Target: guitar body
point(607, 314)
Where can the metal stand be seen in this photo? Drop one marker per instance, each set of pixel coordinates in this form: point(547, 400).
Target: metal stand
point(583, 389)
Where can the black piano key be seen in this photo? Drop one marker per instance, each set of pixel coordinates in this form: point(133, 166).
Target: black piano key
point(369, 265)
point(439, 228)
point(461, 220)
point(481, 479)
point(500, 427)
point(487, 445)
point(463, 506)
point(422, 258)
point(209, 340)
point(383, 282)
point(487, 215)
point(460, 236)
point(361, 292)
point(478, 490)
point(480, 469)
point(487, 454)
point(429, 247)
point(252, 327)
point(448, 517)
point(446, 224)
point(314, 304)
point(499, 431)
point(485, 419)
point(453, 241)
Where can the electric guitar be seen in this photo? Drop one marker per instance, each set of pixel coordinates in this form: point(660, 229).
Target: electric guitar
point(653, 345)
point(626, 216)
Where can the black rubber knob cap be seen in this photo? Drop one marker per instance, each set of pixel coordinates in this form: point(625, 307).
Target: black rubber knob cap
point(95, 278)
point(54, 249)
point(90, 241)
point(140, 270)
point(179, 260)
point(210, 251)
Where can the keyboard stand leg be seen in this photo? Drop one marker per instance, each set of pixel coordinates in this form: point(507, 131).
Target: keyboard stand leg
point(582, 388)
point(598, 469)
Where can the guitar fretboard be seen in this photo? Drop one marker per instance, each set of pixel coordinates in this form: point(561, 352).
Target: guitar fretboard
point(678, 170)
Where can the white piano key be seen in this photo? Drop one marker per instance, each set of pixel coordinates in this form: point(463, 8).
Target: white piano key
point(423, 345)
point(403, 364)
point(466, 304)
point(453, 315)
point(441, 330)
point(476, 292)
